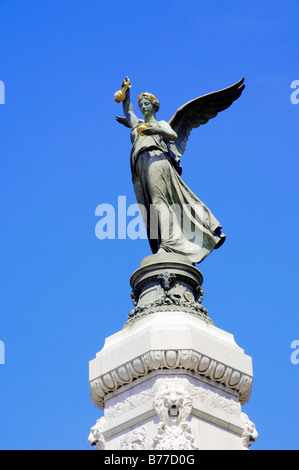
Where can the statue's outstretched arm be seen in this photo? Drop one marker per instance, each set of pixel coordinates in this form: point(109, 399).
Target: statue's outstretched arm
point(128, 110)
point(123, 96)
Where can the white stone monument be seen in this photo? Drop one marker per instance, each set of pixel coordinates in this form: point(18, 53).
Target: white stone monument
point(170, 379)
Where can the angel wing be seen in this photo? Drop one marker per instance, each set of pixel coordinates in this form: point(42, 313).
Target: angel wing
point(198, 112)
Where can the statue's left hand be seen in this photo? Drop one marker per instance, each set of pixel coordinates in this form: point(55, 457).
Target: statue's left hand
point(126, 83)
point(152, 130)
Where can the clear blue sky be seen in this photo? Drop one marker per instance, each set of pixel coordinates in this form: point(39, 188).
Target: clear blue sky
point(63, 291)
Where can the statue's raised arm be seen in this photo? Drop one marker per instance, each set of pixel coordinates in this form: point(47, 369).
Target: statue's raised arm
point(123, 96)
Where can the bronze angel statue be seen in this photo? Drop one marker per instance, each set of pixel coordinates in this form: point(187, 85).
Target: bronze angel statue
point(175, 219)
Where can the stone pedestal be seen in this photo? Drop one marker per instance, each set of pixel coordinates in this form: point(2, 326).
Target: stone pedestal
point(170, 379)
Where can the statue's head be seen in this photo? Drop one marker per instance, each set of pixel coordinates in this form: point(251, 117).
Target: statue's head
point(148, 98)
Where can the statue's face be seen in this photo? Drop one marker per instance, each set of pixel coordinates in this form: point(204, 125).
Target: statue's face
point(146, 107)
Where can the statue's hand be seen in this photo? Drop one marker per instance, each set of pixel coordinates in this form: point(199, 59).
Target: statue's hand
point(152, 130)
point(121, 95)
point(126, 84)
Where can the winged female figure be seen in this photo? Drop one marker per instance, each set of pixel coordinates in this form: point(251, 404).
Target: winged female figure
point(175, 219)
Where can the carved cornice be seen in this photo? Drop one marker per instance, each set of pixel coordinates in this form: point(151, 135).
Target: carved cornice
point(184, 359)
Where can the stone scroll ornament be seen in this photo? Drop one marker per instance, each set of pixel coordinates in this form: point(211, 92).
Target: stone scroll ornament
point(175, 219)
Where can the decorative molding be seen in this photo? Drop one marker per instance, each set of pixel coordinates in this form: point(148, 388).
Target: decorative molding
point(204, 394)
point(170, 302)
point(137, 439)
point(128, 403)
point(166, 279)
point(186, 359)
point(216, 401)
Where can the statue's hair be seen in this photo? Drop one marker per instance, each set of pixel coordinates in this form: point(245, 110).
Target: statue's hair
point(155, 102)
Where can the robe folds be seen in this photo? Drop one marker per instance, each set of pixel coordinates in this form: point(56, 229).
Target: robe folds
point(175, 219)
